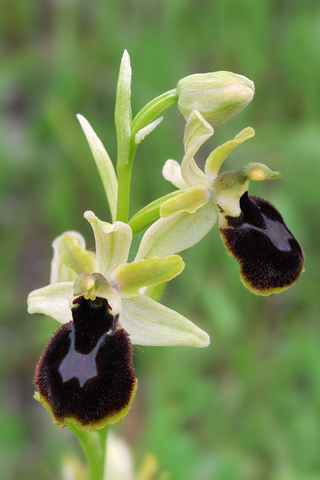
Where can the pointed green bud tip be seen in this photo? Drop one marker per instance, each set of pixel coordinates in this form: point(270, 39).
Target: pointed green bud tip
point(218, 96)
point(269, 256)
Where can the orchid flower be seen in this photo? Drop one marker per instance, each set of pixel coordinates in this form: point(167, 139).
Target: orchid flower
point(105, 288)
point(252, 229)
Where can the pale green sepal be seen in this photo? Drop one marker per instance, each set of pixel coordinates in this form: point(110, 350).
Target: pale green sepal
point(174, 234)
point(150, 323)
point(75, 257)
point(52, 300)
point(113, 242)
point(172, 172)
point(122, 113)
point(218, 156)
point(96, 285)
point(104, 164)
point(130, 277)
point(59, 272)
point(229, 187)
point(146, 130)
point(197, 131)
point(188, 201)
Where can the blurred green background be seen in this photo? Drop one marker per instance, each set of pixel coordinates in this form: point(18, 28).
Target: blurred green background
point(247, 407)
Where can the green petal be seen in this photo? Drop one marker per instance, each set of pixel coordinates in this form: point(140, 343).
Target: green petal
point(75, 257)
point(52, 300)
point(172, 172)
point(113, 243)
point(229, 187)
point(197, 131)
point(218, 156)
point(59, 272)
point(104, 164)
point(130, 277)
point(189, 201)
point(177, 232)
point(150, 323)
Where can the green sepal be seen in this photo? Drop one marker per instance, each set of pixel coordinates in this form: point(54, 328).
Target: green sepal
point(172, 172)
point(151, 323)
point(130, 277)
point(178, 232)
point(218, 156)
point(112, 243)
point(197, 131)
point(52, 300)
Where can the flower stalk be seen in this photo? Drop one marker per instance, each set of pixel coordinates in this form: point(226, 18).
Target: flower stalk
point(93, 445)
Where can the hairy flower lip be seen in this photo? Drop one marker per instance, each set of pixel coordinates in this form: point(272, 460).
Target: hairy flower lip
point(270, 258)
point(85, 373)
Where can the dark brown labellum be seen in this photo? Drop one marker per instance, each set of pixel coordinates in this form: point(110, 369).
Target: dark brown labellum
point(270, 257)
point(85, 374)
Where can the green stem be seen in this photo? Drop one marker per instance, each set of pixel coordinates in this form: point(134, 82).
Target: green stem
point(93, 444)
point(124, 179)
point(126, 132)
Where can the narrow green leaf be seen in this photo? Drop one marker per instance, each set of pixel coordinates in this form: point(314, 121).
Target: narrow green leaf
point(104, 165)
point(123, 110)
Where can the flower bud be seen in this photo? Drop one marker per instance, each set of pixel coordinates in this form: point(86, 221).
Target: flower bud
point(218, 96)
